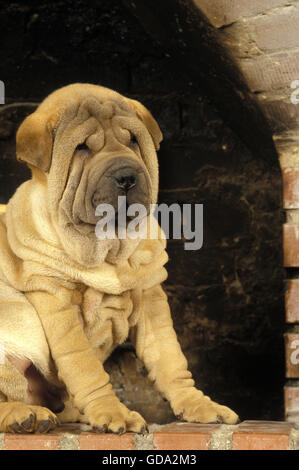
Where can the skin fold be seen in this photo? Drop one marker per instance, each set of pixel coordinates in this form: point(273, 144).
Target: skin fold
point(68, 299)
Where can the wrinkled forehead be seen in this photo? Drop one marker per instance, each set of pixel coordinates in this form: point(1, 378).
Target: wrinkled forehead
point(99, 101)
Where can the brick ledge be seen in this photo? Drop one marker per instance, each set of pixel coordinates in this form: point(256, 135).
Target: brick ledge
point(248, 435)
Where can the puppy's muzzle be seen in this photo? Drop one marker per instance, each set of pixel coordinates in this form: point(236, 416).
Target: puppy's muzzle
point(125, 181)
point(123, 176)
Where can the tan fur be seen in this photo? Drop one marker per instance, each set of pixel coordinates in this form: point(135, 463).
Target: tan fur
point(68, 299)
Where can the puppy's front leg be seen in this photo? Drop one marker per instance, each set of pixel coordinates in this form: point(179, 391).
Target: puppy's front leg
point(77, 364)
point(157, 345)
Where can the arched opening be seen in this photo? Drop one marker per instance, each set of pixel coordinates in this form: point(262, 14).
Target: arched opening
point(227, 299)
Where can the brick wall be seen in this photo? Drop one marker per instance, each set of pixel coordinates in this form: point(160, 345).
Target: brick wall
point(249, 435)
point(262, 37)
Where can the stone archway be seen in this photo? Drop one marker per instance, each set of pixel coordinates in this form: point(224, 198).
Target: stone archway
point(263, 39)
point(246, 54)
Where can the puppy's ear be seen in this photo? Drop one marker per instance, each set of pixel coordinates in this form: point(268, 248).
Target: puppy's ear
point(35, 140)
point(147, 118)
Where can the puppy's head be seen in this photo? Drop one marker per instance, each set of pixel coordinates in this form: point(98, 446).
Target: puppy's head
point(91, 145)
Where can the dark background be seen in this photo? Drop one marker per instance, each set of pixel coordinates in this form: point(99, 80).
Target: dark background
point(227, 298)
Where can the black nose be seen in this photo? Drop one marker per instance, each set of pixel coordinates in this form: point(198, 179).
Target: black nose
point(125, 182)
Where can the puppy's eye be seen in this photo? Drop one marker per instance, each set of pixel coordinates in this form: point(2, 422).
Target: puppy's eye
point(82, 147)
point(133, 142)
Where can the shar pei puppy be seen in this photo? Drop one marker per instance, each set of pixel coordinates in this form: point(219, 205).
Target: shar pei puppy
point(68, 298)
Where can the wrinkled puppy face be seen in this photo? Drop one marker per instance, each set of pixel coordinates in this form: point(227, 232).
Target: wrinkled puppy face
point(93, 145)
point(106, 160)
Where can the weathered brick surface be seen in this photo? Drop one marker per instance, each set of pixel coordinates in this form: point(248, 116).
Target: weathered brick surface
point(292, 301)
point(249, 435)
point(89, 441)
point(292, 354)
point(271, 72)
point(291, 403)
point(263, 34)
point(259, 435)
point(287, 145)
point(30, 442)
point(290, 188)
point(224, 12)
point(276, 31)
point(291, 245)
point(184, 436)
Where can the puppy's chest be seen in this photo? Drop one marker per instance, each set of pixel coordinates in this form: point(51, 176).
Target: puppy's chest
point(108, 318)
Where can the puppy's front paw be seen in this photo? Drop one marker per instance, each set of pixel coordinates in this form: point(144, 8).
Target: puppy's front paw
point(18, 417)
point(198, 408)
point(110, 415)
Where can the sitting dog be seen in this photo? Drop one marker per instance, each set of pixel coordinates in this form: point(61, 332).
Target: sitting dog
point(68, 298)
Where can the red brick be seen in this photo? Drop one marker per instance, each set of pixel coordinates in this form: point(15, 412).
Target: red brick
point(184, 436)
point(290, 188)
point(223, 12)
point(291, 403)
point(292, 355)
point(31, 442)
point(93, 441)
point(292, 301)
point(262, 435)
point(291, 245)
